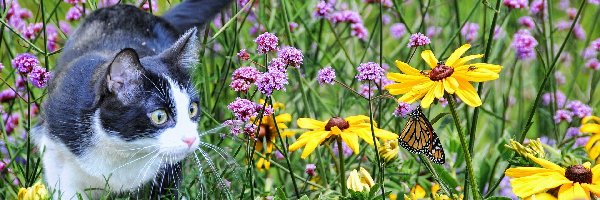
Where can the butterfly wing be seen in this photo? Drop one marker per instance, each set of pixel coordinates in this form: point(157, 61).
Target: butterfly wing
point(414, 136)
point(434, 151)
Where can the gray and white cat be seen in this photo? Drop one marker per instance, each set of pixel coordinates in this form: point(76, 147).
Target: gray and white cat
point(121, 110)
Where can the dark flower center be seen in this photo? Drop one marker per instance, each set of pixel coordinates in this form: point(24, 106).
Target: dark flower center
point(440, 72)
point(578, 173)
point(336, 121)
point(263, 131)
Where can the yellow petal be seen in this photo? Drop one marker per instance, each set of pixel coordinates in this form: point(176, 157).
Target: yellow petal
point(450, 84)
point(519, 172)
point(467, 93)
point(466, 59)
point(596, 172)
point(541, 196)
point(546, 164)
point(398, 77)
point(412, 96)
point(439, 89)
point(428, 99)
point(429, 58)
point(418, 191)
point(572, 191)
point(351, 140)
point(407, 69)
point(590, 128)
point(357, 119)
point(478, 76)
point(592, 188)
point(404, 87)
point(365, 134)
point(283, 118)
point(385, 135)
point(287, 133)
point(536, 183)
point(313, 144)
point(491, 67)
point(592, 142)
point(309, 123)
point(455, 56)
point(591, 118)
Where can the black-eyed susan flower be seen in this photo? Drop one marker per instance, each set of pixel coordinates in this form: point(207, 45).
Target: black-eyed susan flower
point(389, 150)
point(573, 182)
point(268, 134)
point(591, 124)
point(348, 129)
point(359, 181)
point(36, 192)
point(453, 76)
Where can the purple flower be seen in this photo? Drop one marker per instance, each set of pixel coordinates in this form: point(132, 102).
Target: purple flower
point(524, 44)
point(579, 32)
point(589, 53)
point(74, 2)
point(385, 3)
point(74, 13)
point(538, 7)
point(418, 39)
point(560, 78)
point(323, 9)
point(277, 64)
point(271, 80)
point(326, 75)
point(291, 56)
point(346, 150)
point(593, 64)
point(39, 77)
point(573, 132)
point(25, 62)
point(310, 169)
point(365, 91)
point(433, 31)
point(243, 55)
point(235, 126)
point(397, 30)
point(444, 102)
point(1, 67)
point(579, 109)
point(65, 27)
point(359, 31)
point(595, 44)
point(7, 95)
point(243, 109)
point(505, 189)
point(595, 2)
point(369, 72)
point(32, 30)
point(250, 130)
point(548, 98)
point(527, 22)
point(515, 4)
point(243, 78)
point(146, 6)
point(402, 109)
point(349, 16)
point(572, 13)
point(470, 31)
point(498, 32)
point(10, 122)
point(293, 26)
point(266, 42)
point(563, 115)
point(278, 155)
point(107, 3)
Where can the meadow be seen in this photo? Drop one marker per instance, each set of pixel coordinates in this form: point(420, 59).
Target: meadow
point(319, 99)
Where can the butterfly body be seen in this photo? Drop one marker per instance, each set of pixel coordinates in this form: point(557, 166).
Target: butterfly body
point(419, 137)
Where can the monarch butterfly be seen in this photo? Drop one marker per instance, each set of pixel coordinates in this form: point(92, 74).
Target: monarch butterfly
point(418, 137)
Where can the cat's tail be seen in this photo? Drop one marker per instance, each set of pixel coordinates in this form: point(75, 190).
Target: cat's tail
point(194, 13)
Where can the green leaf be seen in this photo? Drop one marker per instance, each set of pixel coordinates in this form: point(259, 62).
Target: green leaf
point(304, 198)
point(445, 176)
point(438, 117)
point(280, 194)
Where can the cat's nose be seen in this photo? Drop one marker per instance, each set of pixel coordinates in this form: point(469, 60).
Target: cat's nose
point(188, 140)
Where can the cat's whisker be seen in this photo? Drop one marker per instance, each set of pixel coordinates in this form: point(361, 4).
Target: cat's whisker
point(200, 176)
point(229, 160)
point(211, 165)
point(138, 148)
point(134, 160)
point(212, 131)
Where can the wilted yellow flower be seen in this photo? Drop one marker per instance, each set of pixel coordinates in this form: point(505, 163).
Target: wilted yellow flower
point(36, 192)
point(359, 181)
point(453, 76)
point(389, 150)
point(591, 124)
point(574, 182)
point(349, 129)
point(534, 148)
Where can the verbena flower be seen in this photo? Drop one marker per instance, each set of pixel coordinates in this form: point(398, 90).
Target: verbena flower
point(266, 42)
point(74, 13)
point(516, 4)
point(417, 40)
point(539, 7)
point(591, 124)
point(453, 76)
point(277, 64)
point(291, 56)
point(560, 78)
point(579, 109)
point(397, 30)
point(593, 64)
point(432, 31)
point(39, 76)
point(243, 109)
point(25, 62)
point(326, 75)
point(563, 115)
point(359, 181)
point(402, 109)
point(524, 45)
point(243, 55)
point(242, 78)
point(348, 129)
point(369, 71)
point(573, 182)
point(310, 169)
point(323, 9)
point(146, 5)
point(548, 98)
point(346, 150)
point(270, 81)
point(470, 31)
point(7, 95)
point(595, 44)
point(498, 32)
point(573, 132)
point(527, 22)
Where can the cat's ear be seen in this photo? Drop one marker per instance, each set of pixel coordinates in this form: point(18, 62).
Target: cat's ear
point(184, 52)
point(124, 77)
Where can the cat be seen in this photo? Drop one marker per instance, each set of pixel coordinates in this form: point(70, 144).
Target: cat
point(121, 111)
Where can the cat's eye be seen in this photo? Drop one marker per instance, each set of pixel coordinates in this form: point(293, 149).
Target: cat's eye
point(159, 116)
point(193, 109)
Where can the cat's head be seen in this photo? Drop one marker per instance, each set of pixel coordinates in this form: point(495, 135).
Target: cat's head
point(150, 104)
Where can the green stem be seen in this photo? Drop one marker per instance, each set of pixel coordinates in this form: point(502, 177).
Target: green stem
point(341, 169)
point(465, 149)
point(284, 150)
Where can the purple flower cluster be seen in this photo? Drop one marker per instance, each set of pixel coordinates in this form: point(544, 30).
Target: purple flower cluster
point(505, 189)
point(539, 7)
point(418, 39)
point(310, 169)
point(402, 109)
point(326, 75)
point(11, 121)
point(593, 64)
point(560, 78)
point(370, 71)
point(524, 44)
point(146, 6)
point(433, 31)
point(7, 95)
point(291, 56)
point(243, 78)
point(573, 132)
point(595, 2)
point(527, 22)
point(272, 80)
point(397, 30)
point(25, 62)
point(243, 55)
point(266, 42)
point(243, 109)
point(563, 115)
point(107, 3)
point(74, 2)
point(16, 16)
point(595, 44)
point(366, 91)
point(346, 150)
point(579, 109)
point(74, 13)
point(516, 4)
point(548, 98)
point(323, 9)
point(470, 31)
point(354, 19)
point(277, 64)
point(39, 77)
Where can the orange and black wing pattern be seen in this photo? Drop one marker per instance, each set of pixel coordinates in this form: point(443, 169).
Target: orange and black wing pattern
point(418, 137)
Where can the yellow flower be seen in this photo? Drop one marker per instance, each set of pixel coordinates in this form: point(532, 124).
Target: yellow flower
point(349, 129)
point(359, 181)
point(453, 76)
point(574, 182)
point(393, 196)
point(534, 148)
point(267, 136)
point(416, 192)
point(36, 192)
point(389, 150)
point(592, 146)
point(541, 196)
